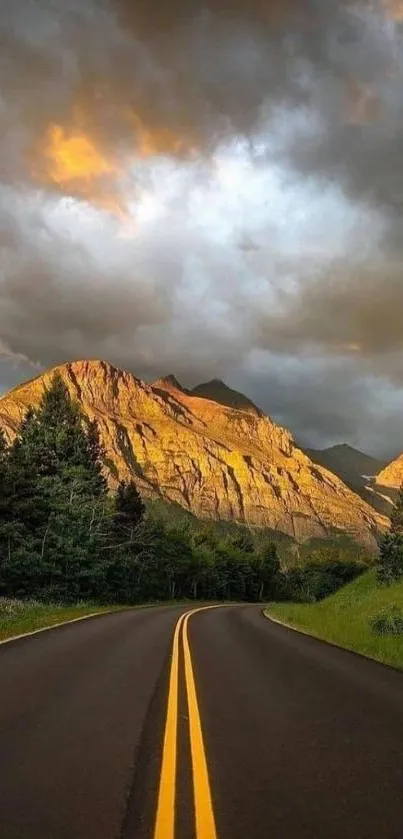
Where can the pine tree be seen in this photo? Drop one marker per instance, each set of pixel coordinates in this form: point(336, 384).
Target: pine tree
point(390, 561)
point(270, 576)
point(397, 515)
point(129, 509)
point(243, 541)
point(58, 500)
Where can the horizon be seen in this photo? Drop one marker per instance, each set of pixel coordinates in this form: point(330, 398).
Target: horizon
point(191, 386)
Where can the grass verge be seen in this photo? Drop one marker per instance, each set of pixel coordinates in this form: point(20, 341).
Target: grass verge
point(344, 618)
point(19, 617)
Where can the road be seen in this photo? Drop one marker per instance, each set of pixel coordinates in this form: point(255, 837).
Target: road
point(147, 724)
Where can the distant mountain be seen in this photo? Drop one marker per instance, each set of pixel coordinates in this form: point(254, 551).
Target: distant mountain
point(218, 391)
point(219, 461)
point(358, 470)
point(348, 463)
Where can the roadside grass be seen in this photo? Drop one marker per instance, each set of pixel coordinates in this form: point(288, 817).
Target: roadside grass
point(344, 618)
point(18, 617)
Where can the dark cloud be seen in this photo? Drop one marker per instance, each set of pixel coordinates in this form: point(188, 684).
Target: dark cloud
point(190, 186)
point(347, 310)
point(328, 402)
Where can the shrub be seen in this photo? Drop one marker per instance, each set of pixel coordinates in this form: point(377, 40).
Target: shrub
point(388, 622)
point(390, 562)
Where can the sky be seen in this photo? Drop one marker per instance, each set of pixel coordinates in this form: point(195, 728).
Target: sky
point(213, 190)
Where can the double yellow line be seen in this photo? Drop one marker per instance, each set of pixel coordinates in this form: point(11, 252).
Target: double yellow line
point(203, 806)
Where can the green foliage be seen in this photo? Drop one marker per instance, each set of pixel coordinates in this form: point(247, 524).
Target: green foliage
point(55, 511)
point(18, 617)
point(390, 561)
point(314, 581)
point(345, 618)
point(388, 622)
point(397, 515)
point(65, 538)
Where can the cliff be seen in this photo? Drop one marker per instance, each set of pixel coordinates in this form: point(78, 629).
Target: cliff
point(215, 460)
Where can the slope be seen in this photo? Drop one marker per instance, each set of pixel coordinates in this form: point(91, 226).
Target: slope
point(391, 477)
point(218, 462)
point(357, 470)
point(218, 391)
point(350, 464)
point(344, 618)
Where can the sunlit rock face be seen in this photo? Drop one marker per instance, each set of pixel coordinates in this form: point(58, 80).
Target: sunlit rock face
point(215, 460)
point(392, 475)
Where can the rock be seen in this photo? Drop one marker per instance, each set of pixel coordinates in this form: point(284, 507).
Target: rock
point(392, 475)
point(217, 461)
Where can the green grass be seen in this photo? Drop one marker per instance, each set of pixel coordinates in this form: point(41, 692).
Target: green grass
point(344, 618)
point(18, 617)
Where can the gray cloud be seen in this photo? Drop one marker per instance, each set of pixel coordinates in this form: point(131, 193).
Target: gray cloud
point(327, 402)
point(194, 186)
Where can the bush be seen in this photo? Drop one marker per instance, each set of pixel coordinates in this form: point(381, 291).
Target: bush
point(390, 562)
point(388, 622)
point(315, 580)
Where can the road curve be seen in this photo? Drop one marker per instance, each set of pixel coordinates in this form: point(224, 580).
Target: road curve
point(237, 729)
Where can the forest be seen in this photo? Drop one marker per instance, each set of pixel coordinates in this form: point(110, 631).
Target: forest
point(66, 537)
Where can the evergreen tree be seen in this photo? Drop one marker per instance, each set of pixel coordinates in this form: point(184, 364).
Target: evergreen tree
point(58, 497)
point(390, 561)
point(129, 510)
point(397, 515)
point(270, 573)
point(243, 541)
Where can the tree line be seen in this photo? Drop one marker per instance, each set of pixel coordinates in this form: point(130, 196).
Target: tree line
point(65, 537)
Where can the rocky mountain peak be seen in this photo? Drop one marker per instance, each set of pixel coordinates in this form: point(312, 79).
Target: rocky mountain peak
point(218, 391)
point(168, 382)
point(211, 451)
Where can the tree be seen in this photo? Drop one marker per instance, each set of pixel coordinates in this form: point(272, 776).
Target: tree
point(397, 515)
point(129, 510)
point(127, 542)
point(57, 501)
point(243, 541)
point(270, 572)
point(390, 561)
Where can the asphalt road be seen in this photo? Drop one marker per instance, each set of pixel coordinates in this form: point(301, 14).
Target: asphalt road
point(227, 727)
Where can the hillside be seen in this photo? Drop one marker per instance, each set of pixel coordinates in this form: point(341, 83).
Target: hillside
point(218, 391)
point(391, 477)
point(219, 462)
point(358, 471)
point(344, 618)
point(350, 464)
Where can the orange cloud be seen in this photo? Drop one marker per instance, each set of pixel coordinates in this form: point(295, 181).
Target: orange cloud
point(74, 157)
point(394, 9)
point(72, 161)
point(153, 142)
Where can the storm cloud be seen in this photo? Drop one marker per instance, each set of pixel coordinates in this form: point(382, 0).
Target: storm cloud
point(212, 189)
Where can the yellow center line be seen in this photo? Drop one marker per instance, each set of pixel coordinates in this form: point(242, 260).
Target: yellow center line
point(204, 814)
point(165, 821)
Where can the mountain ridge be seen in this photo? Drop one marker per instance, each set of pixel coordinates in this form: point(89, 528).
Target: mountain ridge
point(358, 470)
point(218, 391)
point(217, 461)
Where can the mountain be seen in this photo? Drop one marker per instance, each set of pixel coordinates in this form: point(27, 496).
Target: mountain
point(218, 391)
point(391, 477)
point(219, 462)
point(351, 465)
point(358, 470)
